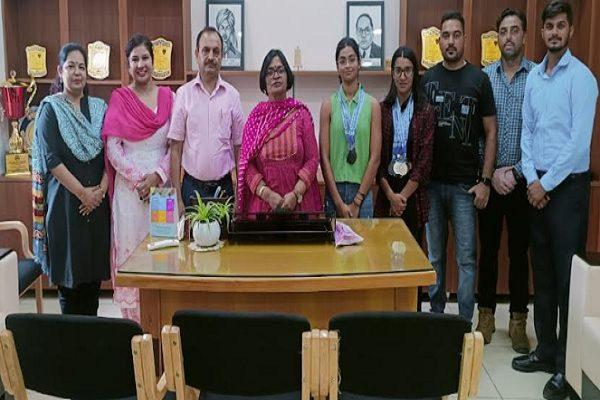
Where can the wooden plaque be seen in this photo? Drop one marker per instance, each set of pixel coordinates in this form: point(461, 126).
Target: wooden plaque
point(36, 61)
point(431, 54)
point(98, 60)
point(163, 49)
point(490, 52)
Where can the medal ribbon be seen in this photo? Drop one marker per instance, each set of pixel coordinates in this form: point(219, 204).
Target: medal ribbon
point(350, 122)
point(401, 127)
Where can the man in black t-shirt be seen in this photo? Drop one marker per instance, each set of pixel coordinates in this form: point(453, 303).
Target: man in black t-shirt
point(460, 183)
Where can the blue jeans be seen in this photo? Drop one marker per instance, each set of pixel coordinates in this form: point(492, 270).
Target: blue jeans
point(451, 201)
point(347, 192)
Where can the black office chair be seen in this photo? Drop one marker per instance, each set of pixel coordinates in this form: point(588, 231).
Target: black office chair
point(231, 356)
point(68, 356)
point(30, 272)
point(406, 355)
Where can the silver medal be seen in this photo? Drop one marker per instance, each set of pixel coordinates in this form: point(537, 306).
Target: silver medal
point(400, 168)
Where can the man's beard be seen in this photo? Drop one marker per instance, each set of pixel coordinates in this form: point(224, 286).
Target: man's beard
point(512, 55)
point(457, 56)
point(560, 47)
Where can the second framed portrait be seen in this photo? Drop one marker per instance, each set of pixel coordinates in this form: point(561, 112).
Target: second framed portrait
point(364, 23)
point(228, 17)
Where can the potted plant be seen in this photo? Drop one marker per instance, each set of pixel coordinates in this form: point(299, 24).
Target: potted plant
point(205, 220)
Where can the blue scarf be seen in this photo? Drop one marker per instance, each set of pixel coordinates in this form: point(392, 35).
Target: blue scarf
point(83, 139)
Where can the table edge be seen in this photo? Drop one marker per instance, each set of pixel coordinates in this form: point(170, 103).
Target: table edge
point(277, 284)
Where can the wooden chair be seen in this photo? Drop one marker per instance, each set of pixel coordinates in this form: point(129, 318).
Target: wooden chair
point(402, 355)
point(30, 272)
point(68, 356)
point(231, 355)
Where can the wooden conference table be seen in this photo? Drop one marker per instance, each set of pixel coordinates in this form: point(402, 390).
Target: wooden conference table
point(314, 280)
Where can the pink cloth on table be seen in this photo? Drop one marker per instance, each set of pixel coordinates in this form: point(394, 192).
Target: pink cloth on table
point(345, 236)
point(210, 126)
point(279, 148)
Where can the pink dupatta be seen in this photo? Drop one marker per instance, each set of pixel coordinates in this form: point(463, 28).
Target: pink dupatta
point(129, 118)
point(265, 117)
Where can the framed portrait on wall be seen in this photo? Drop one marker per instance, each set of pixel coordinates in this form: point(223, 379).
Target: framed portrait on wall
point(228, 17)
point(365, 24)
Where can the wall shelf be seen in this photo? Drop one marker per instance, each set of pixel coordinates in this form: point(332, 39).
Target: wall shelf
point(108, 82)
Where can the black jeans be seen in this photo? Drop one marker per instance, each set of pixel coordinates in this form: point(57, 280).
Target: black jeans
point(82, 300)
point(515, 208)
point(206, 189)
point(558, 232)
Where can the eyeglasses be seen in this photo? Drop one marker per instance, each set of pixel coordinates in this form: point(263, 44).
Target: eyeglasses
point(272, 71)
point(408, 72)
point(347, 61)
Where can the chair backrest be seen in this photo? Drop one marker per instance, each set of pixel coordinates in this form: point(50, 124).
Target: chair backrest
point(73, 356)
point(242, 353)
point(400, 354)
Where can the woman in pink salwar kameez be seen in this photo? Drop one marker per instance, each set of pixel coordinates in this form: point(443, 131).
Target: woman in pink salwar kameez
point(279, 156)
point(137, 158)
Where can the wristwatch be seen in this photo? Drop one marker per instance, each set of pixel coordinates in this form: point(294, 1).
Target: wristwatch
point(486, 181)
point(298, 197)
point(515, 174)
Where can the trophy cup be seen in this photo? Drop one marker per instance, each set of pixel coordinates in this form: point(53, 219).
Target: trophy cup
point(13, 104)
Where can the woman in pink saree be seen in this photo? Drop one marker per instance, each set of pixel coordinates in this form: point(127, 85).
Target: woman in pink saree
point(137, 158)
point(279, 156)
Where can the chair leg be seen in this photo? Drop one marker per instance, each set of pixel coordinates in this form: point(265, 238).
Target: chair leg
point(477, 364)
point(334, 342)
point(306, 343)
point(39, 295)
point(466, 366)
point(11, 360)
point(138, 368)
point(5, 377)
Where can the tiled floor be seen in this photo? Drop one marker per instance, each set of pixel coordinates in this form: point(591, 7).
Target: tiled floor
point(498, 380)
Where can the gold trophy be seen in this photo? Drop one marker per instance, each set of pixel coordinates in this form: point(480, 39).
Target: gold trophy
point(13, 99)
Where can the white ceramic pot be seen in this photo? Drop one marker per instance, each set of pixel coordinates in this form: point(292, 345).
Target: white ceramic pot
point(206, 235)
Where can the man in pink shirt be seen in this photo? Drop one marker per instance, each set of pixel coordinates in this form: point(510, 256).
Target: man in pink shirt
point(206, 126)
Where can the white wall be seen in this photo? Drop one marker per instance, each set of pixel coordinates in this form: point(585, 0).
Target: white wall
point(315, 26)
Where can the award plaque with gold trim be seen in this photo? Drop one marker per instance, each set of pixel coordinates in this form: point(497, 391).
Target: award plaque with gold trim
point(17, 164)
point(36, 61)
point(163, 49)
point(430, 43)
point(490, 52)
point(98, 60)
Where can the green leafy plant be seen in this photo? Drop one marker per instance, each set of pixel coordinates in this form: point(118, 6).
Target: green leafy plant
point(208, 212)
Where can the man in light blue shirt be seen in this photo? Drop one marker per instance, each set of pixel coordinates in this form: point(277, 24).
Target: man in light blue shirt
point(558, 117)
